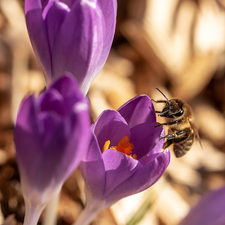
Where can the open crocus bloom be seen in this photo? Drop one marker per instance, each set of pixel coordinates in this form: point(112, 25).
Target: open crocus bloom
point(125, 155)
point(51, 136)
point(71, 36)
point(209, 211)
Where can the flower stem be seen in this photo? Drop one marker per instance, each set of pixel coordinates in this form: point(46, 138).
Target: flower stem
point(50, 215)
point(32, 214)
point(86, 216)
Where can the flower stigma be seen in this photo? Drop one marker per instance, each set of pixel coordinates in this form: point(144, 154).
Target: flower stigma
point(123, 146)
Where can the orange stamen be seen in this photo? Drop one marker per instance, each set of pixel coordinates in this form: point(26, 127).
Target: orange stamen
point(123, 146)
point(106, 146)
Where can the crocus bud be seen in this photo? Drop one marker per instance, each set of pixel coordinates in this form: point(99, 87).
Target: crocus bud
point(71, 36)
point(124, 157)
point(51, 136)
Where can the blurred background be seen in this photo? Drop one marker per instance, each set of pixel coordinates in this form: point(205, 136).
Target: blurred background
point(177, 46)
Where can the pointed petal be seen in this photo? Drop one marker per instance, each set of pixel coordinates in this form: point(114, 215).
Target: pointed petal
point(61, 96)
point(75, 135)
point(52, 101)
point(93, 169)
point(109, 11)
point(50, 146)
point(69, 2)
point(32, 5)
point(142, 179)
point(54, 15)
point(138, 110)
point(45, 2)
point(84, 49)
point(38, 35)
point(28, 139)
point(110, 126)
point(119, 167)
point(144, 137)
point(53, 127)
point(154, 153)
point(67, 86)
point(78, 50)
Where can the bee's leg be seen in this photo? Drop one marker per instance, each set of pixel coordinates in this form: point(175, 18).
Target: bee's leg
point(168, 123)
point(182, 135)
point(173, 135)
point(167, 144)
point(159, 101)
point(169, 136)
point(178, 137)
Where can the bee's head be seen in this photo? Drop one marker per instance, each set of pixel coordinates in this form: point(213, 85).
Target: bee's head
point(172, 109)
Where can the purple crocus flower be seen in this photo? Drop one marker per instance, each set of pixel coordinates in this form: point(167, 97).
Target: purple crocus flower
point(124, 155)
point(51, 136)
point(209, 211)
point(71, 36)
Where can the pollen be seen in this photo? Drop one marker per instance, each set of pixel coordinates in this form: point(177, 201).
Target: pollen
point(123, 146)
point(106, 146)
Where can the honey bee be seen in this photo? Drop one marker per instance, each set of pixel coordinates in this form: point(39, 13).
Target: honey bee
point(182, 131)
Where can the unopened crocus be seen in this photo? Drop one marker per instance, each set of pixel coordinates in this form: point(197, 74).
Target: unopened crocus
point(209, 211)
point(51, 136)
point(125, 156)
point(71, 36)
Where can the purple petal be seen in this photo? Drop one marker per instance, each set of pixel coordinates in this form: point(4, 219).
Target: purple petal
point(52, 101)
point(51, 123)
point(209, 210)
point(159, 146)
point(64, 89)
point(154, 153)
point(67, 86)
point(45, 2)
point(69, 89)
point(75, 133)
point(109, 10)
point(54, 15)
point(110, 126)
point(38, 35)
point(93, 169)
point(69, 2)
point(78, 50)
point(144, 137)
point(119, 167)
point(49, 147)
point(28, 139)
point(138, 110)
point(144, 177)
point(32, 5)
point(53, 141)
point(75, 36)
point(65, 140)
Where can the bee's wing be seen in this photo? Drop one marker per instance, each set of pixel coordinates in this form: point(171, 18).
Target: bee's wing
point(196, 133)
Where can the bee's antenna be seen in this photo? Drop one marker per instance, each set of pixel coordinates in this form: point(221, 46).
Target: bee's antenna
point(163, 95)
